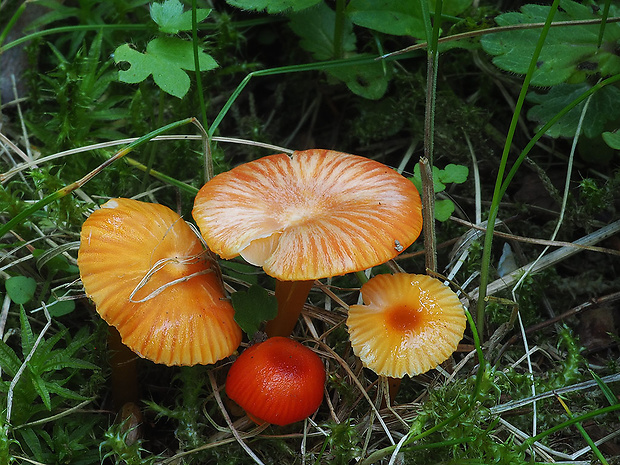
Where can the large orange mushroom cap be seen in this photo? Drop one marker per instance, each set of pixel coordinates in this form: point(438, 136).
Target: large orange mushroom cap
point(148, 275)
point(409, 324)
point(311, 215)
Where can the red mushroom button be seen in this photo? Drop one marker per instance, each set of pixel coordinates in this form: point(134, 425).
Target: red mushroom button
point(278, 381)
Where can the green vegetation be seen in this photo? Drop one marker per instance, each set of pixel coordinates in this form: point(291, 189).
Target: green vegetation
point(516, 111)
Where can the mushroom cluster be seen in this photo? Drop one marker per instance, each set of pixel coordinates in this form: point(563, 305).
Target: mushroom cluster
point(301, 217)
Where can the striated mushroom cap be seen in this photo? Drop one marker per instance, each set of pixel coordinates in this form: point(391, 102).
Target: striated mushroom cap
point(148, 275)
point(311, 215)
point(409, 324)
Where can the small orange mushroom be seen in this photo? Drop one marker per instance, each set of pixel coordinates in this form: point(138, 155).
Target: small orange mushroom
point(311, 215)
point(277, 381)
point(409, 324)
point(149, 276)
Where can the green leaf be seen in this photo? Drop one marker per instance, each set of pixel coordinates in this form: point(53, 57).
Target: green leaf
point(570, 54)
point(452, 173)
point(395, 17)
point(20, 289)
point(438, 186)
point(316, 28)
point(369, 81)
point(9, 361)
point(443, 209)
point(28, 338)
point(609, 394)
point(243, 271)
point(603, 108)
point(452, 7)
point(612, 139)
point(273, 6)
point(252, 307)
point(40, 387)
point(165, 58)
point(57, 308)
point(171, 19)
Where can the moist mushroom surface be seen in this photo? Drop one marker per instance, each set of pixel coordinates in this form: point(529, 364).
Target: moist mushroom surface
point(149, 276)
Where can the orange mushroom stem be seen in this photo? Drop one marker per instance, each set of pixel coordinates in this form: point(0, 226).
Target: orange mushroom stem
point(311, 215)
point(291, 296)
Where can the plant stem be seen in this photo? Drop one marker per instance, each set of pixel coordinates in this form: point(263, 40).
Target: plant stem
point(291, 296)
point(428, 214)
point(493, 212)
point(339, 28)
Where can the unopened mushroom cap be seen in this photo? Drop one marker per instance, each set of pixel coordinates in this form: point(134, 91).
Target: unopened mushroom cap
point(314, 214)
point(409, 324)
point(277, 381)
point(177, 315)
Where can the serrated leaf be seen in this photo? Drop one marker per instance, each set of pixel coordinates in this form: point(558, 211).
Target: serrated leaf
point(570, 54)
point(273, 6)
point(612, 139)
point(395, 17)
point(27, 336)
point(316, 28)
point(452, 173)
point(20, 289)
point(443, 209)
point(171, 19)
point(165, 58)
point(603, 108)
point(252, 307)
point(9, 361)
point(40, 388)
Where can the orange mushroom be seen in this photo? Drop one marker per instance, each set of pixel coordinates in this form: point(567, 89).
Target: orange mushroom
point(149, 277)
point(409, 324)
point(311, 215)
point(278, 381)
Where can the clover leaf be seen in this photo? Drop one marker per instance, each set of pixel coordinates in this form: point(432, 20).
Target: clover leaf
point(165, 58)
point(171, 19)
point(20, 289)
point(570, 53)
point(452, 173)
point(252, 307)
